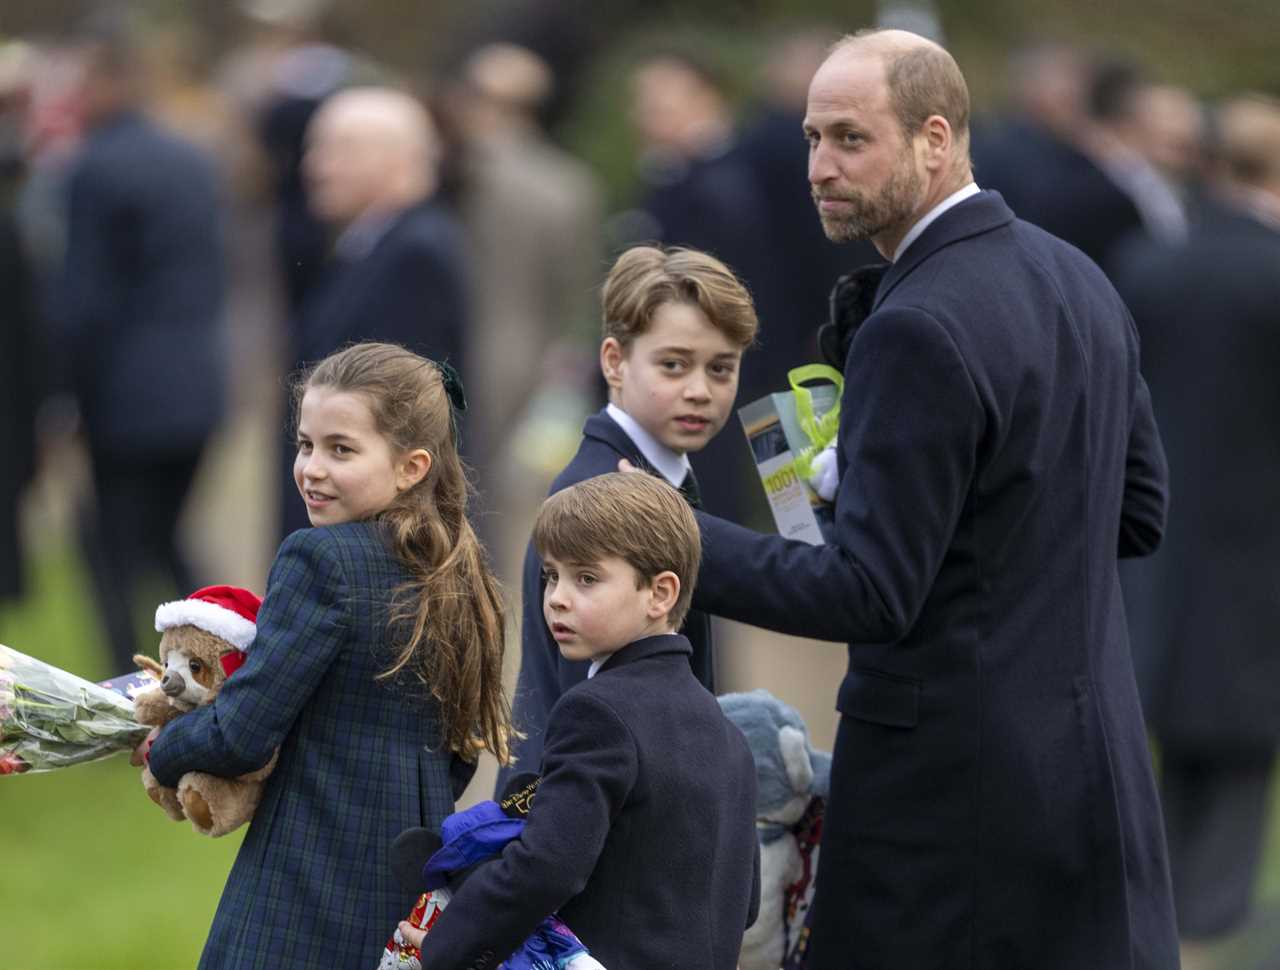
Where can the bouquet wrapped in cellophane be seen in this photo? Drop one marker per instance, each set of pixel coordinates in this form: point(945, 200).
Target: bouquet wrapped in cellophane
point(50, 718)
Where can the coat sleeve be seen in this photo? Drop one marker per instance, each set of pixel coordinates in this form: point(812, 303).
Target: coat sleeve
point(590, 766)
point(1146, 478)
point(910, 423)
point(302, 626)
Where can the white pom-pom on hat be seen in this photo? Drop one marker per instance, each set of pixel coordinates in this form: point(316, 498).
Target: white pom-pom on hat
point(227, 612)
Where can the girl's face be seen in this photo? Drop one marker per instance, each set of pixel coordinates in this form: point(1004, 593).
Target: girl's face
point(345, 469)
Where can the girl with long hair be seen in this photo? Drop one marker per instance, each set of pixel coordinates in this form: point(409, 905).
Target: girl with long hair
point(376, 670)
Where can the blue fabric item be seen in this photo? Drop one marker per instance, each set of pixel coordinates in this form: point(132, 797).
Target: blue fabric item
point(470, 836)
point(550, 947)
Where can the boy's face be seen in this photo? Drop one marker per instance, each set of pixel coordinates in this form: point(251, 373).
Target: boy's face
point(678, 379)
point(597, 608)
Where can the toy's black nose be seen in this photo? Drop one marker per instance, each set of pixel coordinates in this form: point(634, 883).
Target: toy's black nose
point(172, 683)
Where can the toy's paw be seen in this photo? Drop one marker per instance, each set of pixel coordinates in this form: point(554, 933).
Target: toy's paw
point(196, 806)
point(216, 805)
point(151, 707)
point(166, 798)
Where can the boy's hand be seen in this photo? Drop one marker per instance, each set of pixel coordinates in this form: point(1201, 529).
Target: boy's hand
point(412, 934)
point(626, 466)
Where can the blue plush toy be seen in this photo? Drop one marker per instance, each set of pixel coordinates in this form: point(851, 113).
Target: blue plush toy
point(792, 781)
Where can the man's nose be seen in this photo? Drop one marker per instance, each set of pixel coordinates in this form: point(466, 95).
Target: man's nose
point(821, 168)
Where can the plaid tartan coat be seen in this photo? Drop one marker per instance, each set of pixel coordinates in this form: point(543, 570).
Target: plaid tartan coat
point(359, 761)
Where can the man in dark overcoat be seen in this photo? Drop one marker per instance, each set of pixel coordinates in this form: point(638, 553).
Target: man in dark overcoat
point(992, 799)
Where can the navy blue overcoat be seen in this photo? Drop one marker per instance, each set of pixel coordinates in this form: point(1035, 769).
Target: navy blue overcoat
point(992, 801)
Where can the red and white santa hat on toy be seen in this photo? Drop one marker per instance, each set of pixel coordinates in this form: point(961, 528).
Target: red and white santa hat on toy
point(228, 612)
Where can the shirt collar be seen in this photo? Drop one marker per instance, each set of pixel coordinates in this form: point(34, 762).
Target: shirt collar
point(954, 199)
point(671, 465)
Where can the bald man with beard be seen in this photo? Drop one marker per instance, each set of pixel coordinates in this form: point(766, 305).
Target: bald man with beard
point(396, 272)
point(992, 801)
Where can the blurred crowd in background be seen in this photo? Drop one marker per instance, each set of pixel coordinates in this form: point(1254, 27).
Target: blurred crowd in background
point(180, 229)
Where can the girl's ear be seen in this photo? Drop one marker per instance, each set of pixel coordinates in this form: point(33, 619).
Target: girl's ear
point(612, 356)
point(412, 468)
point(663, 593)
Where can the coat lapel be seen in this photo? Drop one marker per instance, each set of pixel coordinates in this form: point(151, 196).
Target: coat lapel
point(604, 429)
point(974, 216)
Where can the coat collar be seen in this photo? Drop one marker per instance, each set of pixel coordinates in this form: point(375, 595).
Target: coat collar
point(603, 428)
point(647, 647)
point(975, 215)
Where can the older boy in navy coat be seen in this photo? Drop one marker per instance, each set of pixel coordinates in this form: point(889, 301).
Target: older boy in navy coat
point(992, 802)
point(642, 835)
point(676, 323)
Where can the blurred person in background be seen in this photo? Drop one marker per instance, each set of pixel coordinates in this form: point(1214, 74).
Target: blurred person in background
point(1038, 156)
point(531, 216)
point(699, 190)
point(1204, 610)
point(1128, 122)
point(21, 364)
point(280, 78)
point(396, 272)
point(138, 327)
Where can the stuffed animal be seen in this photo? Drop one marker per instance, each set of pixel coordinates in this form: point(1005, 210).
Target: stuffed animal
point(203, 641)
point(792, 781)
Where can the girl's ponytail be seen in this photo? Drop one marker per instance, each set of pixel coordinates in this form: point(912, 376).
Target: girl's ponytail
point(452, 604)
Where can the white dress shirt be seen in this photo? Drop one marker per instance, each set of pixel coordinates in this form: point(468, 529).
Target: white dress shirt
point(671, 465)
point(954, 199)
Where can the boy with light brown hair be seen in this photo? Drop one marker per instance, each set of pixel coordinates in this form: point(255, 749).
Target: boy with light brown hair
point(642, 836)
point(676, 323)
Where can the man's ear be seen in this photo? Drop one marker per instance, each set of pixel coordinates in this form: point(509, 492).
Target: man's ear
point(937, 138)
point(612, 357)
point(412, 468)
point(663, 593)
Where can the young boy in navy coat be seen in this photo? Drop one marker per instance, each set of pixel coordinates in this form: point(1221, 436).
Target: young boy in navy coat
point(642, 833)
point(676, 323)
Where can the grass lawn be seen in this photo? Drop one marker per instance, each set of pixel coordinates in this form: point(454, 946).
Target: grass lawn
point(93, 875)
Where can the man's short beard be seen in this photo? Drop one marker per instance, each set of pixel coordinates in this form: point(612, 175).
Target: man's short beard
point(868, 217)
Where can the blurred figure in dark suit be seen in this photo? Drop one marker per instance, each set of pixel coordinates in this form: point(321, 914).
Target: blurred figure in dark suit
point(699, 190)
point(139, 328)
point(396, 272)
point(1036, 155)
point(1205, 609)
point(21, 370)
